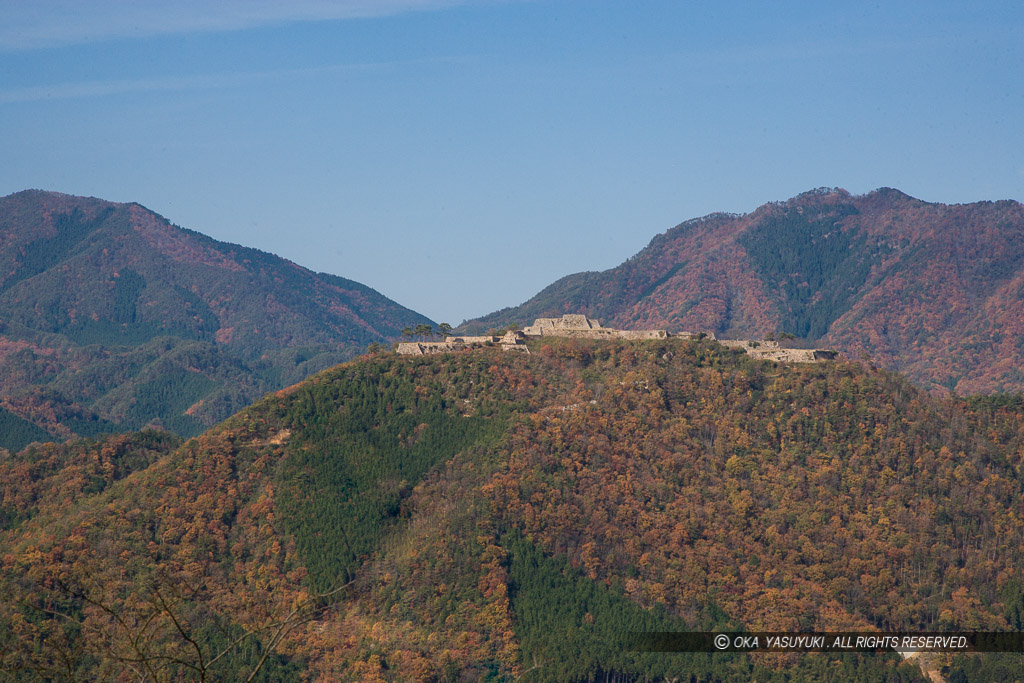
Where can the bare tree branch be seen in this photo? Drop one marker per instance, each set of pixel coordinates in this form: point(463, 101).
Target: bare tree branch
point(146, 636)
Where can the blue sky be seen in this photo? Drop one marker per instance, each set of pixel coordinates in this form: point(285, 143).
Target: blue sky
point(460, 156)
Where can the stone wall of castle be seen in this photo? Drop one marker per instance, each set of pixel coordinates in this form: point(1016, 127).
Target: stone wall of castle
point(555, 326)
point(770, 350)
point(510, 341)
point(580, 326)
point(596, 333)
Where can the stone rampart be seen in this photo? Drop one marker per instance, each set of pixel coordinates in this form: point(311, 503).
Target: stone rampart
point(474, 340)
point(749, 345)
point(603, 333)
point(770, 350)
point(423, 348)
point(510, 341)
point(580, 326)
point(558, 326)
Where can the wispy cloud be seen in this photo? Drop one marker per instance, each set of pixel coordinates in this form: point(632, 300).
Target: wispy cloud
point(83, 89)
point(31, 24)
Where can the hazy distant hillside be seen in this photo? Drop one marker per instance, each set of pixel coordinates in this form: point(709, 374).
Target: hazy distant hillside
point(489, 516)
point(112, 317)
point(932, 290)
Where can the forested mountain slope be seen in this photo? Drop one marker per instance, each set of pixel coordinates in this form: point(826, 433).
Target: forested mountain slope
point(931, 290)
point(498, 516)
point(112, 318)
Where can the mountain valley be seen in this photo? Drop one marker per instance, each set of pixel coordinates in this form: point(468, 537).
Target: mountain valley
point(214, 467)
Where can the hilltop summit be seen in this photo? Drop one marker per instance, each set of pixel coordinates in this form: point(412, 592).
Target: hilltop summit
point(933, 290)
point(113, 318)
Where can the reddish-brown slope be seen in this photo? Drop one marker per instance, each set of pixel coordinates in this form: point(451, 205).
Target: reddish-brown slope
point(111, 309)
point(933, 290)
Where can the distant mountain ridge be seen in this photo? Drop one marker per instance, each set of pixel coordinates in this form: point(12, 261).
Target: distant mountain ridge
point(933, 290)
point(112, 317)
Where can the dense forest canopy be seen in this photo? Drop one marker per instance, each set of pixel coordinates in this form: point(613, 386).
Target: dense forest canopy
point(112, 319)
point(496, 516)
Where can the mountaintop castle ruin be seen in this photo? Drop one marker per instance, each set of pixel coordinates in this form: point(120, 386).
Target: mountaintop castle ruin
point(580, 326)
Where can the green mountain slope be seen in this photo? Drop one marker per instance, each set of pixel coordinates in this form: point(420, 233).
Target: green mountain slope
point(111, 316)
point(498, 516)
point(931, 290)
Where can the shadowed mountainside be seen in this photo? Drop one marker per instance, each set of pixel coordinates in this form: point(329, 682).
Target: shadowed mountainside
point(113, 318)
